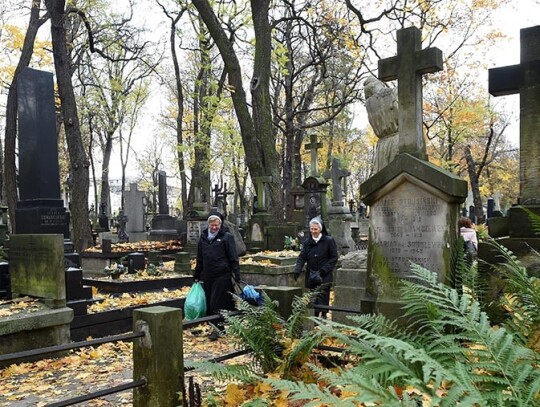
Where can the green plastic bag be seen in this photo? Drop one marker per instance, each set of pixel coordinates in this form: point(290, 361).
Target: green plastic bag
point(195, 305)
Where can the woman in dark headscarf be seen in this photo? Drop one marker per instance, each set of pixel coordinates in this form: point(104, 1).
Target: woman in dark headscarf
point(319, 251)
point(217, 263)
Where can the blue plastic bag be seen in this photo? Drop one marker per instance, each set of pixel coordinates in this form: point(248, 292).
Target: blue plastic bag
point(195, 305)
point(251, 295)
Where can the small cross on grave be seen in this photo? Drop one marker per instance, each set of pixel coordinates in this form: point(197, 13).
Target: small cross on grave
point(337, 174)
point(220, 197)
point(262, 200)
point(313, 146)
point(408, 67)
point(525, 80)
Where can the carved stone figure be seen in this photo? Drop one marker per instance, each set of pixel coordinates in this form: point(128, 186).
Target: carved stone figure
point(382, 110)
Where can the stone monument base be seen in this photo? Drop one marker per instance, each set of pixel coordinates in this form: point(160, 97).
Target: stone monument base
point(43, 328)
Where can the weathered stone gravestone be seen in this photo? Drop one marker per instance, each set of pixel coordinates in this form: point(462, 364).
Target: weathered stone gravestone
point(164, 226)
point(414, 204)
point(339, 215)
point(261, 218)
point(134, 210)
point(40, 208)
point(36, 265)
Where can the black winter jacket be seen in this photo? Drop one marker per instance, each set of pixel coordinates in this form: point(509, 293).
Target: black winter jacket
point(320, 256)
point(217, 256)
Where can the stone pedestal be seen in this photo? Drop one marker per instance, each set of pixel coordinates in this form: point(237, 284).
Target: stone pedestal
point(284, 296)
point(339, 225)
point(350, 285)
point(414, 215)
point(37, 270)
point(164, 228)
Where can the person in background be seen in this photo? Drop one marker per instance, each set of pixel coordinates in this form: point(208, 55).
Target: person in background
point(467, 230)
point(470, 240)
point(319, 251)
point(217, 263)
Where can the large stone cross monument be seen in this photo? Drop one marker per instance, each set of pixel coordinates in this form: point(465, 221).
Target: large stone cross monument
point(524, 79)
point(516, 231)
point(313, 146)
point(408, 67)
point(414, 204)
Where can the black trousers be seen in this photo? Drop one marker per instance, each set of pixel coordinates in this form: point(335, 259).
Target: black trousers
point(323, 299)
point(218, 294)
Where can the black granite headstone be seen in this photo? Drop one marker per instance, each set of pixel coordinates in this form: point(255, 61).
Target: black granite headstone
point(136, 262)
point(5, 287)
point(162, 193)
point(40, 208)
point(490, 207)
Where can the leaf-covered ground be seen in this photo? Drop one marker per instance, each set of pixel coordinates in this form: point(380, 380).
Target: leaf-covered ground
point(92, 369)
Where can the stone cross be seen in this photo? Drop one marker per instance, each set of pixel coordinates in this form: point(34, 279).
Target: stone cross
point(262, 201)
point(337, 174)
point(408, 67)
point(313, 146)
point(525, 80)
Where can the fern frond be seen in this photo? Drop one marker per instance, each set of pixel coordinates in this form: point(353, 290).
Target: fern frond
point(245, 373)
point(304, 391)
point(299, 312)
point(256, 403)
point(534, 219)
point(298, 353)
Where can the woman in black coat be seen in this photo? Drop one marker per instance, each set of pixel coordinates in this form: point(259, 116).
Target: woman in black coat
point(217, 263)
point(319, 251)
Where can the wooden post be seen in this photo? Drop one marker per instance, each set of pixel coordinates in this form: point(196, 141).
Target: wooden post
point(158, 356)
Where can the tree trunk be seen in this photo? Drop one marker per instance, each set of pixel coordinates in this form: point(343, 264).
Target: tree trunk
point(77, 156)
point(475, 185)
point(179, 116)
point(10, 174)
point(105, 186)
point(257, 135)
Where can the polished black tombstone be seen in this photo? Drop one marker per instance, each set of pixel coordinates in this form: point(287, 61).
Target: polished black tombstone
point(39, 209)
point(164, 226)
point(136, 262)
point(5, 287)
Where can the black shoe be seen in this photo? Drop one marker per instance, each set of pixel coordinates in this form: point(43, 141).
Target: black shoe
point(214, 335)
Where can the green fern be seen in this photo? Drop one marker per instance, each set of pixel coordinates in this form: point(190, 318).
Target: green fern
point(301, 307)
point(533, 218)
point(255, 328)
point(454, 346)
point(223, 372)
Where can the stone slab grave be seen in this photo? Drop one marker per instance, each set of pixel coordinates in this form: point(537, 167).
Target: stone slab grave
point(414, 204)
point(94, 260)
point(37, 271)
point(265, 269)
point(112, 322)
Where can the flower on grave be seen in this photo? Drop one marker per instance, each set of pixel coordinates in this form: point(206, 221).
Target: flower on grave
point(114, 270)
point(153, 270)
point(291, 243)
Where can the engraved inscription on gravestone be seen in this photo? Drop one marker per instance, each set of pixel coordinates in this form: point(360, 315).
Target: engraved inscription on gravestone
point(409, 224)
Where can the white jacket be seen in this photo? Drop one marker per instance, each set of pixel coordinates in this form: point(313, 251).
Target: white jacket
point(469, 234)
